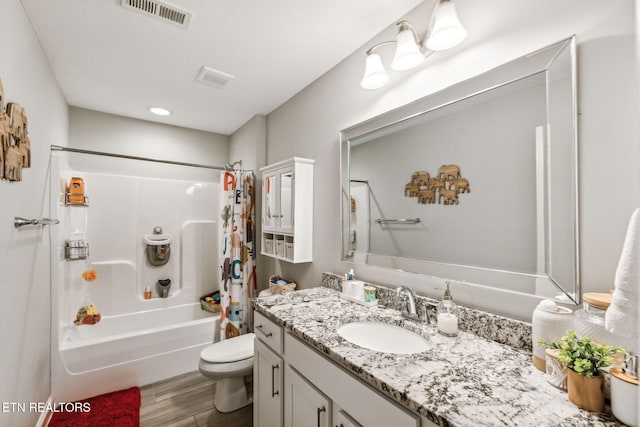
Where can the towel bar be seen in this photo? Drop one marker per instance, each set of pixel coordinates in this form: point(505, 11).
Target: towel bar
point(19, 222)
point(398, 221)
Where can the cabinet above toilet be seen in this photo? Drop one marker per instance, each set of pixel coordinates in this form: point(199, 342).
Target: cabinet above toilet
point(287, 210)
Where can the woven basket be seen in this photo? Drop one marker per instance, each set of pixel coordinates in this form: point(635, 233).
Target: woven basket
point(280, 289)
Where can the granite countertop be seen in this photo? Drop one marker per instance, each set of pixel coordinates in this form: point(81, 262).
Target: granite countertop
point(461, 381)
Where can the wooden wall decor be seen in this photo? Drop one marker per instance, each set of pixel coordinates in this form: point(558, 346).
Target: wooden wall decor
point(443, 187)
point(15, 147)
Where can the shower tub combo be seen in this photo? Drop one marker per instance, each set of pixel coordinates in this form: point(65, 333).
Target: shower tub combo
point(131, 349)
point(137, 341)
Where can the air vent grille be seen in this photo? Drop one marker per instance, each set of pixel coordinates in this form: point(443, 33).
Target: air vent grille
point(212, 77)
point(159, 10)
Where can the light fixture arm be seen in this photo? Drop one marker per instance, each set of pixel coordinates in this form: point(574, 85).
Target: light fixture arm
point(371, 49)
point(406, 25)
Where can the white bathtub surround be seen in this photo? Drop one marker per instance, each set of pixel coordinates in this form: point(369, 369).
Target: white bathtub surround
point(461, 381)
point(623, 315)
point(130, 349)
point(138, 340)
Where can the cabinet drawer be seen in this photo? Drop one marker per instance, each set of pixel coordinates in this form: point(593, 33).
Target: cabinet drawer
point(268, 332)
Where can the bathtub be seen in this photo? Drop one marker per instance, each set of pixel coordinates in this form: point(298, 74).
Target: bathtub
point(130, 350)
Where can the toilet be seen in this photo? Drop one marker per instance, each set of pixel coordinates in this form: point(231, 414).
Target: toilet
point(229, 362)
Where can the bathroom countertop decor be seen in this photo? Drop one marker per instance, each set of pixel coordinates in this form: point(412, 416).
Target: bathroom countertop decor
point(463, 381)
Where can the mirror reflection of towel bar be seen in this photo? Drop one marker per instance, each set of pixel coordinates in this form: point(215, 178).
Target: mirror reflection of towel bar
point(19, 222)
point(398, 221)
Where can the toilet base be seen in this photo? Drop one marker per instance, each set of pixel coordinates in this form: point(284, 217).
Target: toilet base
point(231, 394)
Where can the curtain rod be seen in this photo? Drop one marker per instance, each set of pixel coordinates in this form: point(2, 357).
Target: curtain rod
point(124, 156)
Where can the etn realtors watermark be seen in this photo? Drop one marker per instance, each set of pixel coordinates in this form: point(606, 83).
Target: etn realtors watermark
point(22, 407)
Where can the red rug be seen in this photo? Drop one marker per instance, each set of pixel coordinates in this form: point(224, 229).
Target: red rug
point(116, 409)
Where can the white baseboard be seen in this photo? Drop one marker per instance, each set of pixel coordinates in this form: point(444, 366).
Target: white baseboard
point(45, 416)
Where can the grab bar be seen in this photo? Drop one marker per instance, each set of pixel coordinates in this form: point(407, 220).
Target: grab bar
point(19, 222)
point(398, 221)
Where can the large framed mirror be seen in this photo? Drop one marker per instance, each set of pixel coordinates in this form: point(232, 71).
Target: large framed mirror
point(476, 183)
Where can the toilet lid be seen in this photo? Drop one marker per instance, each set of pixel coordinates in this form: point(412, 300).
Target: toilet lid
point(229, 350)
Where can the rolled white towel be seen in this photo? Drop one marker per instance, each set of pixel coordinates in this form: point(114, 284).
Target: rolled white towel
point(623, 316)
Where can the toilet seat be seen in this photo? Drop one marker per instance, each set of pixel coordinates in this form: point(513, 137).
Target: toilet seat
point(230, 350)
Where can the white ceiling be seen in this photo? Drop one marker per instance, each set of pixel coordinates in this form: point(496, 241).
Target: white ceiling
point(115, 60)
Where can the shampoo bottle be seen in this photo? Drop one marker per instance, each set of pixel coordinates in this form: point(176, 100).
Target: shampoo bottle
point(447, 315)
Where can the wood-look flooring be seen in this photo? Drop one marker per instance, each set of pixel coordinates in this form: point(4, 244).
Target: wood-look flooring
point(187, 401)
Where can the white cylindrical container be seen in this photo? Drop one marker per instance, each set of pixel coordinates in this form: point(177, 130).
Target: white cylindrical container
point(624, 397)
point(550, 322)
point(357, 290)
point(447, 324)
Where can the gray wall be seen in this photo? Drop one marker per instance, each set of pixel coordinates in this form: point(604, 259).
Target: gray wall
point(249, 144)
point(493, 143)
point(24, 253)
point(93, 130)
point(308, 125)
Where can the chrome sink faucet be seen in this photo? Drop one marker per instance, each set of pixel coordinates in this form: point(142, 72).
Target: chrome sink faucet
point(410, 310)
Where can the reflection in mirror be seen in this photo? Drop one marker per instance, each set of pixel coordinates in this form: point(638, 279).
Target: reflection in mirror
point(286, 218)
point(270, 202)
point(476, 183)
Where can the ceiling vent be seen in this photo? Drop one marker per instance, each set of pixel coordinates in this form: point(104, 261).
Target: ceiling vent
point(212, 77)
point(161, 11)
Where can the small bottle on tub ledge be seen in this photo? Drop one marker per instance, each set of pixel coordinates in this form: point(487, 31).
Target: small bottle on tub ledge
point(447, 315)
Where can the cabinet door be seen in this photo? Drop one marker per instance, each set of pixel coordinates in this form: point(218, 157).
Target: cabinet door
point(269, 202)
point(267, 387)
point(304, 405)
point(286, 201)
point(342, 419)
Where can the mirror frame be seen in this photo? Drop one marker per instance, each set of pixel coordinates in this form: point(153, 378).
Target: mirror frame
point(537, 62)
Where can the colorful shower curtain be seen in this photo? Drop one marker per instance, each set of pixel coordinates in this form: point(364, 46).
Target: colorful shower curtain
point(237, 252)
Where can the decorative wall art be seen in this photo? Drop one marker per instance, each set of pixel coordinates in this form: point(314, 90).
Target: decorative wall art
point(445, 186)
point(15, 147)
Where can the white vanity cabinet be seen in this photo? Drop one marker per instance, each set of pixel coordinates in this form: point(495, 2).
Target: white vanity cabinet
point(349, 401)
point(268, 367)
point(304, 405)
point(294, 385)
point(342, 419)
point(287, 210)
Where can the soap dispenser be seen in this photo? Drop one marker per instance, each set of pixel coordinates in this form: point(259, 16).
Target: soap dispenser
point(447, 315)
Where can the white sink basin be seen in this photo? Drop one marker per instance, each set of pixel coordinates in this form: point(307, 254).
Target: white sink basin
point(383, 337)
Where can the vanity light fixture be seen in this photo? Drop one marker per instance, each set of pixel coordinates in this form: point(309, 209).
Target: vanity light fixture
point(445, 31)
point(160, 111)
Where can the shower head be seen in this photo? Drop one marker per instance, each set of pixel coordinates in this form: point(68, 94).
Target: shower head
point(230, 166)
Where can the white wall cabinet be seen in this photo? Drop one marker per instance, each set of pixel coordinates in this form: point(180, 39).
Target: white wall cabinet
point(287, 210)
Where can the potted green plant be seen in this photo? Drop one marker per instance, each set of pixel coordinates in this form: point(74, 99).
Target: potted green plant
point(585, 360)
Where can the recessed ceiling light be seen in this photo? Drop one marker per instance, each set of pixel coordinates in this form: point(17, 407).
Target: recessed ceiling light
point(160, 111)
